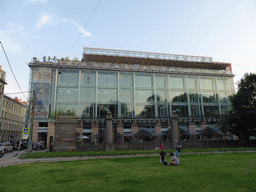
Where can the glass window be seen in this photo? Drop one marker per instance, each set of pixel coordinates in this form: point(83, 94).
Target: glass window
point(162, 110)
point(107, 95)
point(160, 95)
point(195, 110)
point(206, 83)
point(191, 83)
point(67, 94)
point(143, 81)
point(107, 79)
point(176, 82)
point(224, 110)
point(209, 97)
point(221, 84)
point(89, 78)
point(159, 82)
point(66, 107)
point(145, 110)
point(194, 98)
point(125, 80)
point(88, 95)
point(102, 110)
point(87, 110)
point(144, 96)
point(126, 110)
point(178, 96)
point(223, 97)
point(125, 95)
point(182, 111)
point(211, 110)
point(69, 76)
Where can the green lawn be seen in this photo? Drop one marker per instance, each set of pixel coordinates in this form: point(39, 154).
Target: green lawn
point(197, 172)
point(126, 152)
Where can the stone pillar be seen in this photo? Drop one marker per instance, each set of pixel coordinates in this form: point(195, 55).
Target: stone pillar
point(203, 126)
point(175, 127)
point(95, 131)
point(158, 131)
point(35, 132)
point(120, 129)
point(169, 127)
point(65, 133)
point(109, 128)
point(134, 130)
point(192, 130)
point(51, 130)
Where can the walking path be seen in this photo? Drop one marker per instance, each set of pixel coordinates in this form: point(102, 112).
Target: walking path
point(14, 160)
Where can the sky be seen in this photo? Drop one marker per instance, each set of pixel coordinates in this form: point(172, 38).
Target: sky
point(222, 29)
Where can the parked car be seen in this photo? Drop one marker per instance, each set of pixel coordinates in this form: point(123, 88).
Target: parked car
point(15, 146)
point(6, 147)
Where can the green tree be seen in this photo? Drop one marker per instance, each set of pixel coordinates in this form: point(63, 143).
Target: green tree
point(241, 119)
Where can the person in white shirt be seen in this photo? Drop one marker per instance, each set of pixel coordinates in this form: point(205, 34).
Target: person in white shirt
point(174, 160)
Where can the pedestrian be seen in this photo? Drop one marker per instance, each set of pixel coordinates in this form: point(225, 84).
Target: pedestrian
point(174, 160)
point(161, 146)
point(177, 148)
point(162, 157)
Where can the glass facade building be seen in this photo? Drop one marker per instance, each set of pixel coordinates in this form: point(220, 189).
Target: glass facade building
point(128, 90)
point(134, 86)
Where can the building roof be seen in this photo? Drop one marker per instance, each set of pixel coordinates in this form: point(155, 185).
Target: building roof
point(149, 58)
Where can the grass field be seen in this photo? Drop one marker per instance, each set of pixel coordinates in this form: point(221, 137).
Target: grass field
point(197, 172)
point(126, 152)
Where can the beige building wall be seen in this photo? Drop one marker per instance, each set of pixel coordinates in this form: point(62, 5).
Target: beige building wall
point(12, 117)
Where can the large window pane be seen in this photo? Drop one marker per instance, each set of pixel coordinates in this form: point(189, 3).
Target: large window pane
point(194, 98)
point(162, 110)
point(223, 97)
point(191, 83)
point(144, 96)
point(107, 79)
point(145, 110)
point(88, 78)
point(125, 95)
point(209, 97)
point(176, 82)
point(206, 83)
point(67, 94)
point(87, 110)
point(160, 95)
point(126, 110)
point(87, 95)
point(66, 107)
point(211, 110)
point(143, 81)
point(178, 96)
point(107, 95)
point(182, 111)
point(102, 110)
point(69, 76)
point(159, 82)
point(125, 80)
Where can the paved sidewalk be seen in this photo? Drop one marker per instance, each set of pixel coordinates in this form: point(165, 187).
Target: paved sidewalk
point(16, 161)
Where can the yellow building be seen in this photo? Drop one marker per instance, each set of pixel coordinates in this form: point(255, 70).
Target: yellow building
point(12, 118)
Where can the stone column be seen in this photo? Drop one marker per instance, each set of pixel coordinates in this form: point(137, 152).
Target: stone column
point(134, 130)
point(120, 129)
point(203, 126)
point(109, 128)
point(35, 132)
point(51, 130)
point(158, 131)
point(192, 130)
point(169, 127)
point(175, 127)
point(95, 131)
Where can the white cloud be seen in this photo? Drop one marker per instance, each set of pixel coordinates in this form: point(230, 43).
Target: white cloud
point(40, 1)
point(81, 29)
point(43, 20)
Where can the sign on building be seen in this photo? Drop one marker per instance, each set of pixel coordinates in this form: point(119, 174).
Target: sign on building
point(25, 131)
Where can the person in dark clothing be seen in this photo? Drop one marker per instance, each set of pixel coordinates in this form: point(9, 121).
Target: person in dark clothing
point(162, 157)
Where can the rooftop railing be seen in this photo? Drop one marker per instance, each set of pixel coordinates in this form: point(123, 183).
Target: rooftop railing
point(147, 55)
